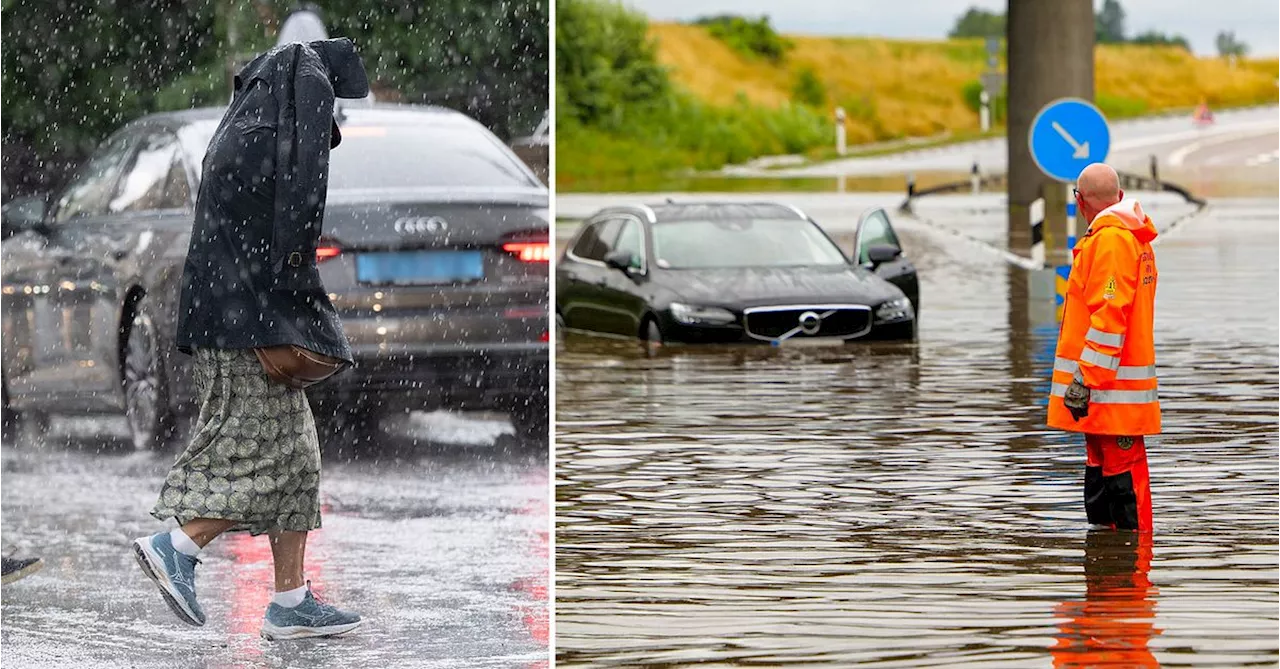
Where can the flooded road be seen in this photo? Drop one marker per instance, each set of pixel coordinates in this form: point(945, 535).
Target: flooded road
point(904, 505)
point(441, 547)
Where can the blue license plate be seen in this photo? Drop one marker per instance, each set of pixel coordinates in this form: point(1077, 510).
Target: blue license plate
point(408, 268)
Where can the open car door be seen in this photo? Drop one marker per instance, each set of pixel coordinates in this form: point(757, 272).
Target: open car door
point(876, 247)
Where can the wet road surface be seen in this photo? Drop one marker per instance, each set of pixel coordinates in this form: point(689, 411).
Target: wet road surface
point(441, 547)
point(904, 505)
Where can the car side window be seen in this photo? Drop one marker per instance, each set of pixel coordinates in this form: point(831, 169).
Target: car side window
point(875, 231)
point(631, 239)
point(597, 239)
point(89, 190)
point(154, 178)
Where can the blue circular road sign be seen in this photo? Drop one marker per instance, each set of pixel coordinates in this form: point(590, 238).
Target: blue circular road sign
point(1067, 135)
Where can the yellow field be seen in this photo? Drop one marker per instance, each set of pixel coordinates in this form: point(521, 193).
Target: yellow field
point(896, 88)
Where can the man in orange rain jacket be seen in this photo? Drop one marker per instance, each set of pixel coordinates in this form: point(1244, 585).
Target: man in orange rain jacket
point(1104, 378)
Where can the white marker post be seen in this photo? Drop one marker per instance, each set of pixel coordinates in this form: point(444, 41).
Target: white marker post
point(984, 112)
point(840, 131)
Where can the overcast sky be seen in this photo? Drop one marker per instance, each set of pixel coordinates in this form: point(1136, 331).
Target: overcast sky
point(1255, 22)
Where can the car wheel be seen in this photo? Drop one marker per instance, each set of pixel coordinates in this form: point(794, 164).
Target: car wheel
point(146, 390)
point(559, 326)
point(532, 421)
point(652, 334)
point(32, 429)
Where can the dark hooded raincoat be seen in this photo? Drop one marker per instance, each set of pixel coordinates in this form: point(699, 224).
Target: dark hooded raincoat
point(250, 277)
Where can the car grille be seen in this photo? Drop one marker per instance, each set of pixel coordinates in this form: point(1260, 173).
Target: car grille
point(843, 321)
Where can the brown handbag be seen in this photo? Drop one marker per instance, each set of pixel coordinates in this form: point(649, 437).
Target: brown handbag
point(297, 367)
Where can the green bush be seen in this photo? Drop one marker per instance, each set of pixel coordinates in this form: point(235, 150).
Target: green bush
point(808, 89)
point(605, 63)
point(748, 37)
point(619, 118)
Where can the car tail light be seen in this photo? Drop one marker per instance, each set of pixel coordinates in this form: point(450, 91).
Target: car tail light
point(326, 251)
point(529, 251)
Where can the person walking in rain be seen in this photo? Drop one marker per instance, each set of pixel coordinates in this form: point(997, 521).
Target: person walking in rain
point(250, 285)
point(1104, 377)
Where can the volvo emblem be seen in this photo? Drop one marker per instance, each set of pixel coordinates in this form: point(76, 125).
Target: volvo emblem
point(420, 224)
point(810, 323)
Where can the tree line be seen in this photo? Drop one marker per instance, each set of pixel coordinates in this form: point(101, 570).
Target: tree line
point(1109, 28)
point(74, 71)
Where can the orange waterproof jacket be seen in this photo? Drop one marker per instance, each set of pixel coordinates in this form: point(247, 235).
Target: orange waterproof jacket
point(1106, 337)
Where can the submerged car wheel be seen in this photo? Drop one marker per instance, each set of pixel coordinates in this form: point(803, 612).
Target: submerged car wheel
point(652, 333)
point(146, 393)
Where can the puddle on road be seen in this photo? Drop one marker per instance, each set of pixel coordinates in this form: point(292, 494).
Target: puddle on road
point(904, 505)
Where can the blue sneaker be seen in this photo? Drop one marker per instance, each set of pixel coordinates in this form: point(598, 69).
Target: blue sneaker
point(308, 619)
point(173, 572)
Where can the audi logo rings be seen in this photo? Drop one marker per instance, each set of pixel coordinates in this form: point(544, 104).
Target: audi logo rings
point(406, 225)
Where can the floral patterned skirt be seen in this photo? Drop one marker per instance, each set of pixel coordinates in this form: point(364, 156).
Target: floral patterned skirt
point(254, 456)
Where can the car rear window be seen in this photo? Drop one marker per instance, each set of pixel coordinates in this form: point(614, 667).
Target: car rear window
point(390, 156)
point(742, 243)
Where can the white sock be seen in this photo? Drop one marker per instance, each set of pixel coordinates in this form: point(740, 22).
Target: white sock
point(183, 543)
point(290, 598)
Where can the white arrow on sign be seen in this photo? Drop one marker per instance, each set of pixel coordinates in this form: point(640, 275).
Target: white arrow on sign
point(1082, 150)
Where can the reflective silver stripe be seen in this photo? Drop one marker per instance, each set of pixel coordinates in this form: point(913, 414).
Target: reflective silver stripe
point(1136, 373)
point(1123, 372)
point(1111, 396)
point(1095, 358)
point(1105, 338)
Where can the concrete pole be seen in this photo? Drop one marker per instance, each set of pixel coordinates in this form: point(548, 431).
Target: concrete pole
point(1050, 56)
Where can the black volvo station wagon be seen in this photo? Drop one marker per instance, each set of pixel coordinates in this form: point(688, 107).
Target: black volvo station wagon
point(721, 273)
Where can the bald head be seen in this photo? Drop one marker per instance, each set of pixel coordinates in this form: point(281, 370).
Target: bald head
point(1099, 183)
point(1099, 188)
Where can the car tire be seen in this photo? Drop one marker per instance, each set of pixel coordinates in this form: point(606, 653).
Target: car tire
point(651, 332)
point(532, 421)
point(559, 326)
point(146, 387)
point(31, 429)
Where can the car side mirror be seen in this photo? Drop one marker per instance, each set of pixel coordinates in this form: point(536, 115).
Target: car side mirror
point(623, 261)
point(22, 215)
point(883, 253)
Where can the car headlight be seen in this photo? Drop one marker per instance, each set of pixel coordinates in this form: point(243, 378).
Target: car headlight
point(894, 310)
point(689, 314)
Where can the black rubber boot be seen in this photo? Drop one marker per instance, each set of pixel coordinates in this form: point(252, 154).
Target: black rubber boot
point(1097, 505)
point(1123, 501)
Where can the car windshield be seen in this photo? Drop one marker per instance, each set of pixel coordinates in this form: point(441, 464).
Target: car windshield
point(391, 156)
point(742, 243)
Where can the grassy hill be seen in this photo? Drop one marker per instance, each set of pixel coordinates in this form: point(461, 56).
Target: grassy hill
point(638, 102)
point(892, 89)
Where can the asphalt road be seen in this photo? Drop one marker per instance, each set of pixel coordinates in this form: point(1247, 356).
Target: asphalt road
point(1237, 139)
point(441, 547)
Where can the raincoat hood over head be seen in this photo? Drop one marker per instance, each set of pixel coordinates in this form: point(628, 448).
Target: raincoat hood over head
point(337, 57)
point(346, 70)
point(1126, 215)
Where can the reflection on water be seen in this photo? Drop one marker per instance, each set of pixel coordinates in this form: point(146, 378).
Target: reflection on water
point(1113, 623)
point(904, 505)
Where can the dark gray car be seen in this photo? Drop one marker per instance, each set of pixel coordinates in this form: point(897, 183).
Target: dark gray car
point(435, 253)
